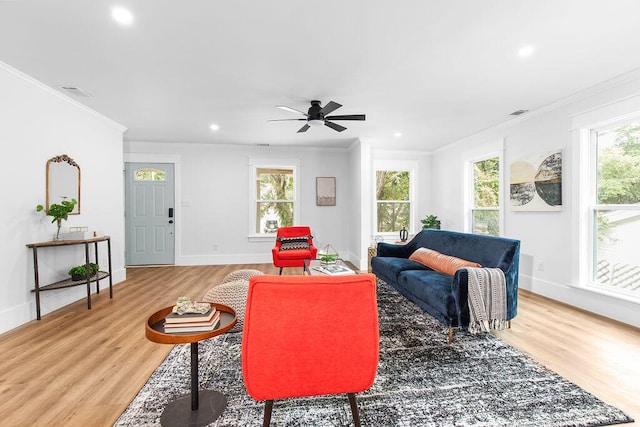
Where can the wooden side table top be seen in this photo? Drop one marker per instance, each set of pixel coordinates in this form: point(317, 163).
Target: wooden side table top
point(154, 329)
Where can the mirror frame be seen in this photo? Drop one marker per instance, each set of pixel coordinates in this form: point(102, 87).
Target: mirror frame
point(63, 159)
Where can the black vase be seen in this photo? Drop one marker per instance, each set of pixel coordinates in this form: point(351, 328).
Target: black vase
point(404, 234)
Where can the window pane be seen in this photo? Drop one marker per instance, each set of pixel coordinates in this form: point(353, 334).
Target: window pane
point(392, 185)
point(393, 216)
point(271, 215)
point(618, 174)
point(617, 263)
point(275, 184)
point(486, 222)
point(149, 174)
point(486, 183)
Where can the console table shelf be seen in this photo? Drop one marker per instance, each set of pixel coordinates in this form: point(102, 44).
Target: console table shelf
point(68, 283)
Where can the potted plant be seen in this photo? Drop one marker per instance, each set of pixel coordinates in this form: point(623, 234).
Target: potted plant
point(59, 212)
point(430, 221)
point(79, 272)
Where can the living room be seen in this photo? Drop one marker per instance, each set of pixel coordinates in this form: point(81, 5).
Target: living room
point(213, 216)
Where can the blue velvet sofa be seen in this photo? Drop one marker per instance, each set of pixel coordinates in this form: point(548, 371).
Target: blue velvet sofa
point(441, 295)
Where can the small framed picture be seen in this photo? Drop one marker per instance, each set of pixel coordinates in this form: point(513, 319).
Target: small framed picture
point(326, 191)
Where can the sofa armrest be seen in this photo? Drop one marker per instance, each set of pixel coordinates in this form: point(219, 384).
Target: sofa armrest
point(392, 250)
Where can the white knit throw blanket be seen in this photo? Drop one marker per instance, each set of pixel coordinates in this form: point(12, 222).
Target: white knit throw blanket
point(487, 299)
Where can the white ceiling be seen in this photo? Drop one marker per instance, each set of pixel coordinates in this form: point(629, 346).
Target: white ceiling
point(436, 71)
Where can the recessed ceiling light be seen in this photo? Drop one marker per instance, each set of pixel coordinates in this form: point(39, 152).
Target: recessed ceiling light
point(525, 51)
point(122, 16)
point(214, 127)
point(397, 134)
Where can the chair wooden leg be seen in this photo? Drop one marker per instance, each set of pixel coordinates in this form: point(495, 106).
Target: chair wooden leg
point(354, 409)
point(281, 270)
point(268, 407)
point(450, 334)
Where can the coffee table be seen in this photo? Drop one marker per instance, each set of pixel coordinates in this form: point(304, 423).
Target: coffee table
point(199, 408)
point(310, 266)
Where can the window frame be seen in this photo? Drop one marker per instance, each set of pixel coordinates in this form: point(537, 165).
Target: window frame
point(410, 166)
point(254, 165)
point(470, 207)
point(589, 192)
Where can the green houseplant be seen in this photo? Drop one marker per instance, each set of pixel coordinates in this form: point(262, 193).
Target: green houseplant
point(58, 211)
point(430, 221)
point(79, 272)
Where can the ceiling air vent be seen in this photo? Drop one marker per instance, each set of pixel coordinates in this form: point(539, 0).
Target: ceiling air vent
point(518, 112)
point(75, 91)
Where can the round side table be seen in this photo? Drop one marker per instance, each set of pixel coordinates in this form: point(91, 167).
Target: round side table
point(198, 408)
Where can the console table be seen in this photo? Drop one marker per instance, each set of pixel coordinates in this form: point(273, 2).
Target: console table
point(69, 282)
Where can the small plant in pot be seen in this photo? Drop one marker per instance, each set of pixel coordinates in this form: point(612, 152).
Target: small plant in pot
point(430, 221)
point(79, 272)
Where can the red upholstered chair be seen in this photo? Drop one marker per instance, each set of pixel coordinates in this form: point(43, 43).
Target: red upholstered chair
point(298, 246)
point(308, 336)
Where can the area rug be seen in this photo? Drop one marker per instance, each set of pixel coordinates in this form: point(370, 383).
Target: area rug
point(422, 381)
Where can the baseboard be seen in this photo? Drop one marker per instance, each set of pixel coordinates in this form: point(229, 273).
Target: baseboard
point(16, 316)
point(603, 305)
point(225, 259)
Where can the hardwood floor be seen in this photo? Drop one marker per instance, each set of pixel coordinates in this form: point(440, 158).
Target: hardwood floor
point(79, 367)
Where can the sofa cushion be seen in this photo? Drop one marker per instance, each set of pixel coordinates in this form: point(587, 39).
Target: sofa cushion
point(440, 262)
point(431, 291)
point(388, 268)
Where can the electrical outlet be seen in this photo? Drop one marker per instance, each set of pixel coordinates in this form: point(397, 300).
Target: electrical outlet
point(540, 265)
point(214, 248)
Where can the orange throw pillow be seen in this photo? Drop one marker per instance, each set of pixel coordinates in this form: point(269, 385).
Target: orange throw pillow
point(440, 262)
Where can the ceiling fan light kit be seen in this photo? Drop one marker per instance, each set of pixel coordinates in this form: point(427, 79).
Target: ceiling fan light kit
point(317, 116)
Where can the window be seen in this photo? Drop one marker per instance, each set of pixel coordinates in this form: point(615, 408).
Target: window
point(274, 201)
point(393, 199)
point(615, 208)
point(485, 215)
point(149, 174)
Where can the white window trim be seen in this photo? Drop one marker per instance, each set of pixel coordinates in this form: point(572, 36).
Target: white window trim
point(410, 166)
point(583, 187)
point(468, 189)
point(260, 163)
point(590, 195)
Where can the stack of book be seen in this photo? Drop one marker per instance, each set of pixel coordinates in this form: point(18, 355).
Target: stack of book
point(192, 322)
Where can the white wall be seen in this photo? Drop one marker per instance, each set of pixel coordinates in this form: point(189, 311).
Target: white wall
point(214, 181)
point(37, 124)
point(546, 237)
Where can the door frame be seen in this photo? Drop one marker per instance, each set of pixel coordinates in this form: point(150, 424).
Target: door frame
point(160, 158)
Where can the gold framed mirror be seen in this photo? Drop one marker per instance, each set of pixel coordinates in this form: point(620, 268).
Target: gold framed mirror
point(63, 180)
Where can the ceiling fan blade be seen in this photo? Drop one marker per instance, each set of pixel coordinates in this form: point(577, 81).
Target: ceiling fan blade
point(285, 120)
point(303, 128)
point(291, 110)
point(346, 117)
point(334, 126)
point(331, 106)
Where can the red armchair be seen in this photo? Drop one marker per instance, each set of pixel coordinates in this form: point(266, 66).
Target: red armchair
point(308, 336)
point(298, 246)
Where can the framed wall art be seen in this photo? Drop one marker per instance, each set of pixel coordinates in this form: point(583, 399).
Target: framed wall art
point(535, 183)
point(326, 191)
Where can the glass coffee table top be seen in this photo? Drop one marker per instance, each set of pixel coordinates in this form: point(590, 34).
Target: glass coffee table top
point(317, 267)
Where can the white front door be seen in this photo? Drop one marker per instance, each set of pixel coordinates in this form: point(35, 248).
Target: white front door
point(150, 213)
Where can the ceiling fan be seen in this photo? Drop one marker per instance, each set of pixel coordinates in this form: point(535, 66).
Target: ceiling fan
point(317, 116)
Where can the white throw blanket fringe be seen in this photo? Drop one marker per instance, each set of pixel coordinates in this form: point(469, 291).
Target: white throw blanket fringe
point(487, 299)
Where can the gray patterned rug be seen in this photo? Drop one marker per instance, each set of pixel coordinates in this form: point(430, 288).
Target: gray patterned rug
point(421, 381)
